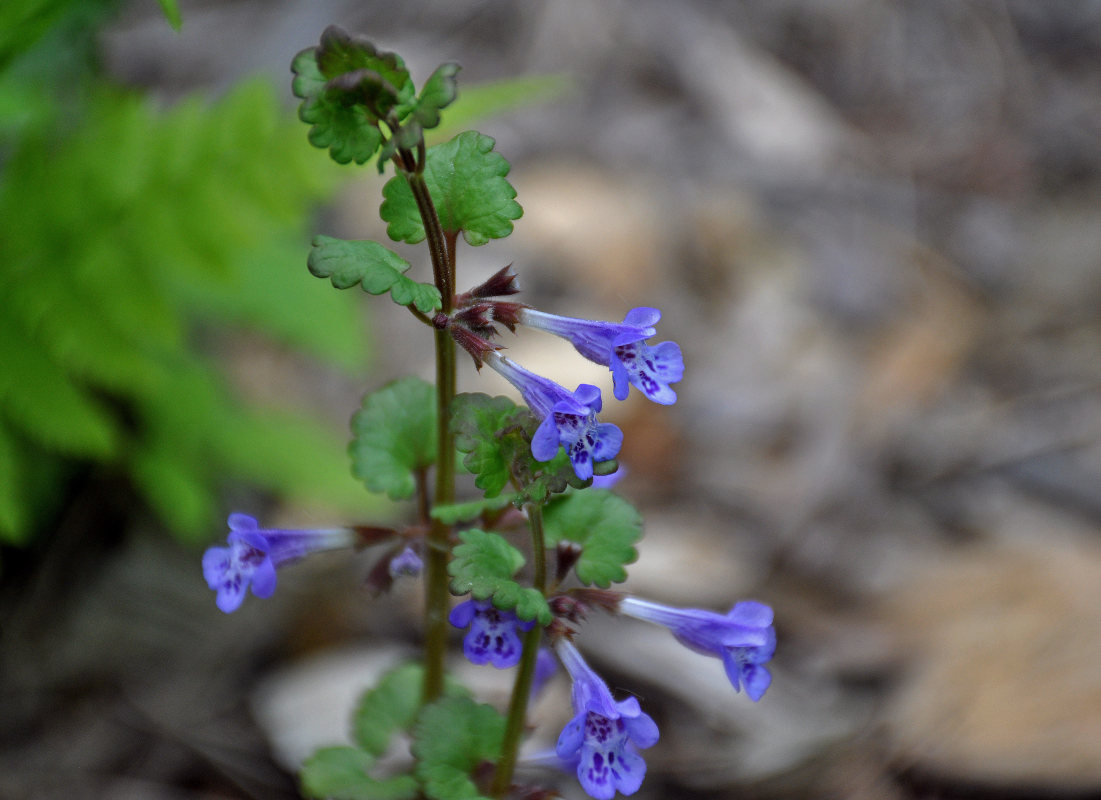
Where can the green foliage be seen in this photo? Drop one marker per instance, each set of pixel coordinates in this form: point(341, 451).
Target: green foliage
point(348, 87)
point(122, 234)
point(388, 708)
point(478, 101)
point(467, 182)
point(171, 11)
point(481, 424)
point(394, 436)
point(495, 435)
point(471, 510)
point(374, 267)
point(451, 739)
point(484, 565)
point(604, 524)
point(341, 773)
point(438, 92)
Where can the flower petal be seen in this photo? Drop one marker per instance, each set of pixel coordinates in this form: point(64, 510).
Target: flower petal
point(596, 779)
point(608, 440)
point(242, 522)
point(750, 613)
point(546, 441)
point(263, 579)
point(628, 770)
point(642, 317)
point(757, 679)
point(215, 565)
point(642, 730)
point(569, 741)
point(462, 614)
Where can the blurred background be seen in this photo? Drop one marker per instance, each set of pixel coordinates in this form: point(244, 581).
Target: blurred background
point(873, 226)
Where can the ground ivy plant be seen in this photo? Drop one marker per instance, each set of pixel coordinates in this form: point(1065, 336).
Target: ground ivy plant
point(537, 465)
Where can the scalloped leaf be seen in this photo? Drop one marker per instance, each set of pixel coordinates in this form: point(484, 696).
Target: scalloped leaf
point(484, 564)
point(374, 267)
point(346, 85)
point(495, 436)
point(348, 131)
point(394, 435)
point(340, 773)
point(471, 510)
point(389, 707)
point(466, 179)
point(604, 524)
point(452, 738)
point(438, 92)
point(478, 421)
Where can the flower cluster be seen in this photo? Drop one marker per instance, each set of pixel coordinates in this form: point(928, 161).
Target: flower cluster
point(568, 419)
point(602, 739)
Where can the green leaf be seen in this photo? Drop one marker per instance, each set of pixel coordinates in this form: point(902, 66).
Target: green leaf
point(452, 738)
point(467, 182)
point(478, 421)
point(14, 509)
point(346, 86)
point(376, 268)
point(340, 773)
point(438, 92)
point(38, 396)
point(484, 564)
point(388, 708)
point(495, 434)
point(349, 131)
point(489, 99)
point(466, 512)
point(341, 52)
point(394, 436)
point(604, 524)
point(171, 12)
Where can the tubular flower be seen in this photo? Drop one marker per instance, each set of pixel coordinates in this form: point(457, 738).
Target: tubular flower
point(567, 418)
point(253, 555)
point(493, 636)
point(406, 564)
point(620, 346)
point(743, 638)
point(603, 734)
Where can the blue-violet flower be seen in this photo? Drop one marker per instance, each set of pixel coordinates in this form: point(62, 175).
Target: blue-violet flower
point(743, 638)
point(567, 418)
point(620, 346)
point(253, 555)
point(493, 636)
point(406, 564)
point(603, 734)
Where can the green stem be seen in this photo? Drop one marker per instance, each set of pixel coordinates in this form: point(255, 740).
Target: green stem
point(521, 689)
point(437, 596)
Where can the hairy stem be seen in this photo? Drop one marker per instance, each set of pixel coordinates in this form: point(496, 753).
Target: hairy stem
point(521, 689)
point(437, 597)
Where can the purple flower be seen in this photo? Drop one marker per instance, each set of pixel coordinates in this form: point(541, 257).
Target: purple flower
point(253, 555)
point(493, 635)
point(743, 638)
point(406, 564)
point(545, 667)
point(608, 481)
point(603, 734)
point(622, 347)
point(568, 418)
